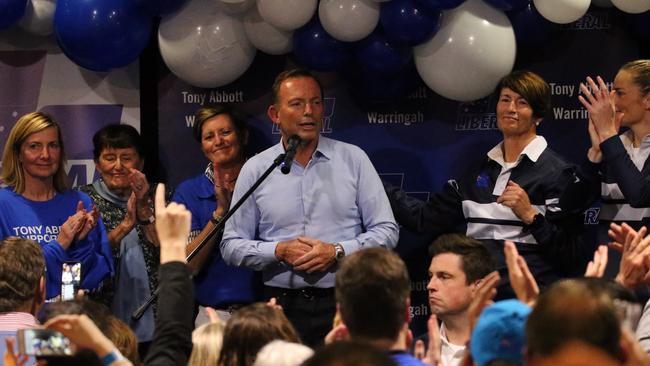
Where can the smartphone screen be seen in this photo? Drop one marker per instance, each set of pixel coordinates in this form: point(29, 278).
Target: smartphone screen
point(70, 280)
point(43, 343)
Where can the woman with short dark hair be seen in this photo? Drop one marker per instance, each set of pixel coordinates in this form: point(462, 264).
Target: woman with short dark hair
point(514, 193)
point(223, 138)
point(124, 198)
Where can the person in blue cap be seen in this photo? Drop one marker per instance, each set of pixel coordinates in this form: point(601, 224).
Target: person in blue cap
point(500, 334)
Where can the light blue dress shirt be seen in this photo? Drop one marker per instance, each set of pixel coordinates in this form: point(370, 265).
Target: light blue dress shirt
point(337, 198)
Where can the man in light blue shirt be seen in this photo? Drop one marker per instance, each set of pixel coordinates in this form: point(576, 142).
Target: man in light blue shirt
point(295, 227)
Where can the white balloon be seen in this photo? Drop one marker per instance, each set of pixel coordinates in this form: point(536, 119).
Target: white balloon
point(236, 6)
point(204, 46)
point(632, 6)
point(474, 48)
point(287, 14)
point(266, 37)
point(562, 11)
point(348, 20)
point(602, 3)
point(39, 17)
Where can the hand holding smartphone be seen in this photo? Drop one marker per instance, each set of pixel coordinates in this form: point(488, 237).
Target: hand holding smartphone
point(43, 343)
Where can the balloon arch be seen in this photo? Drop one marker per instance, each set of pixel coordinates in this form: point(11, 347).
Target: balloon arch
point(459, 48)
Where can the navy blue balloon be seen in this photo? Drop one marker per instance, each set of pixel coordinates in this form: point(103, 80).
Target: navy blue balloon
point(317, 50)
point(100, 35)
point(406, 22)
point(160, 7)
point(11, 11)
point(530, 27)
point(379, 54)
point(370, 87)
point(508, 5)
point(437, 5)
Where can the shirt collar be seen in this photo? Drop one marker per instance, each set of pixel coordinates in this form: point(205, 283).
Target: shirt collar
point(207, 190)
point(324, 148)
point(445, 341)
point(628, 136)
point(14, 320)
point(533, 150)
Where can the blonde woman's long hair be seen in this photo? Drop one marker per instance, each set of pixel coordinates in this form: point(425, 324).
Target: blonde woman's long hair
point(12, 171)
point(207, 340)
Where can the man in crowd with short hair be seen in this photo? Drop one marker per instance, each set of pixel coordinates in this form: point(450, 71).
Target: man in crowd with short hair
point(296, 227)
point(458, 266)
point(576, 322)
point(373, 298)
point(22, 285)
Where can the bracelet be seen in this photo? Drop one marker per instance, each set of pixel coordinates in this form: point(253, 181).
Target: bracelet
point(110, 358)
point(215, 219)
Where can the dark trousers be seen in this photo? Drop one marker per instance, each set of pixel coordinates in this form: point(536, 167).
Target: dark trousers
point(310, 310)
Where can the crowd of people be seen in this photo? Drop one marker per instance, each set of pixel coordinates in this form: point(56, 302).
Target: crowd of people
point(303, 271)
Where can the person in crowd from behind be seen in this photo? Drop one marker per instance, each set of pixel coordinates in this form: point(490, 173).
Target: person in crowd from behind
point(207, 340)
point(617, 168)
point(282, 353)
point(459, 266)
point(117, 332)
point(124, 339)
point(295, 227)
point(250, 329)
point(22, 286)
point(172, 343)
point(499, 337)
point(513, 193)
point(38, 205)
point(350, 353)
point(373, 294)
point(123, 196)
point(223, 137)
point(576, 322)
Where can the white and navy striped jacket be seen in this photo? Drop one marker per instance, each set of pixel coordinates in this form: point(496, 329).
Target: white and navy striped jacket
point(551, 249)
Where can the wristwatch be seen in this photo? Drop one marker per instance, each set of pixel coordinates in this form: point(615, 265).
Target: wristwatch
point(339, 252)
point(538, 221)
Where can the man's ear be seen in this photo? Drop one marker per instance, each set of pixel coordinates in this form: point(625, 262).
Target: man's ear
point(407, 316)
point(338, 317)
point(272, 112)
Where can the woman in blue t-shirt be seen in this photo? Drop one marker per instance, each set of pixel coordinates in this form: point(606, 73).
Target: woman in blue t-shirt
point(223, 137)
point(38, 205)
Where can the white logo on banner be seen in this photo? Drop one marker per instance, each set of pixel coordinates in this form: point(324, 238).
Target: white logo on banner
point(215, 96)
point(401, 118)
point(330, 103)
point(591, 21)
point(570, 91)
point(80, 171)
point(419, 93)
point(476, 115)
point(591, 216)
